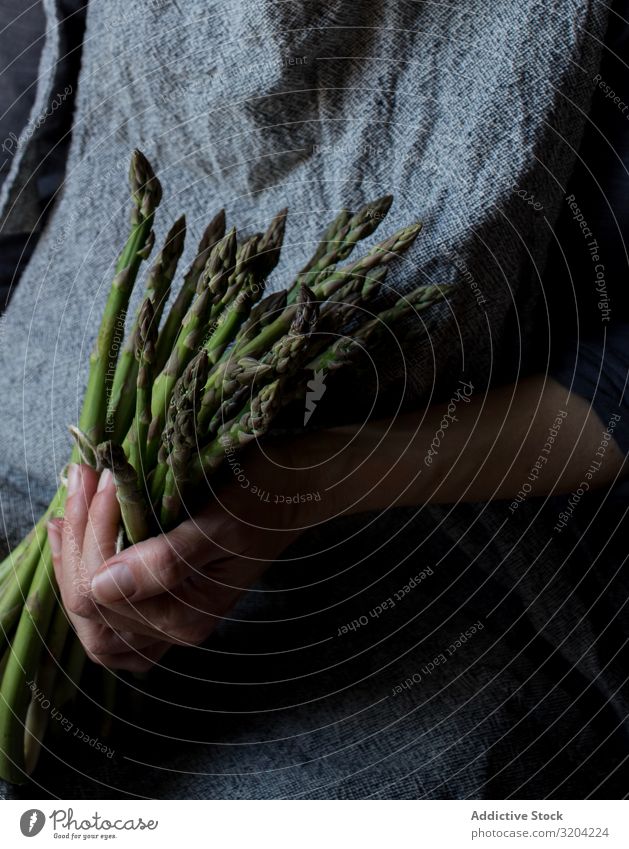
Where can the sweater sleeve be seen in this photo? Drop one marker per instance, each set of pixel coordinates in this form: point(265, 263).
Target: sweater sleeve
point(597, 369)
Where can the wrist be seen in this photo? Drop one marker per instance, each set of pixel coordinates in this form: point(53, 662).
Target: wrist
point(329, 472)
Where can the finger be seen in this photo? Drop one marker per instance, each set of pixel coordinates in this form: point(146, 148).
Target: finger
point(74, 580)
point(164, 618)
point(101, 531)
point(140, 661)
point(104, 640)
point(152, 567)
point(55, 531)
point(193, 610)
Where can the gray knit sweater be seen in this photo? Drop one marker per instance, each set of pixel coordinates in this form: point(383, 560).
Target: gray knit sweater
point(252, 105)
point(465, 111)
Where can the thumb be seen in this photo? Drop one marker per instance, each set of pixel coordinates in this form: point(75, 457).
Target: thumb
point(152, 567)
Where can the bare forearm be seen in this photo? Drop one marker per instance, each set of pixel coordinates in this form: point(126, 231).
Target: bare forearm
point(531, 436)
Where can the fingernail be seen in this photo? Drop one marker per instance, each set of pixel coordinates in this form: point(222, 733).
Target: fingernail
point(113, 584)
point(74, 478)
point(105, 478)
point(54, 539)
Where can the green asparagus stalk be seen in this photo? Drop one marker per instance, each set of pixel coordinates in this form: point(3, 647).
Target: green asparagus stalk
point(262, 314)
point(283, 360)
point(361, 225)
point(158, 282)
point(244, 289)
point(350, 302)
point(389, 320)
point(286, 355)
point(331, 234)
point(146, 192)
point(134, 508)
point(17, 554)
point(15, 591)
point(22, 666)
point(193, 328)
point(252, 423)
point(381, 254)
point(270, 245)
point(220, 406)
point(327, 284)
point(172, 325)
point(181, 437)
point(38, 713)
point(162, 273)
point(377, 329)
point(255, 261)
point(232, 374)
point(146, 340)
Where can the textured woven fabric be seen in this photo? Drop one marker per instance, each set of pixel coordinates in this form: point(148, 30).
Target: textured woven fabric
point(453, 108)
point(20, 47)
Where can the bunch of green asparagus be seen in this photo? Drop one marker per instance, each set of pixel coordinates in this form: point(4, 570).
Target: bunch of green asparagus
point(162, 413)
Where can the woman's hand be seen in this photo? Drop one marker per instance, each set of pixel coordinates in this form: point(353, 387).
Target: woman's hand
point(128, 608)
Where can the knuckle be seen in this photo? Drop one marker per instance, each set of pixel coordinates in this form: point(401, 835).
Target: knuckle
point(165, 565)
point(78, 603)
point(181, 547)
point(103, 643)
point(190, 633)
point(74, 506)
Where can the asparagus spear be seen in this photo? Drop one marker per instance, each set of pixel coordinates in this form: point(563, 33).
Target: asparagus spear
point(213, 232)
point(351, 300)
point(328, 283)
point(219, 406)
point(15, 591)
point(231, 281)
point(373, 331)
point(35, 615)
point(330, 234)
point(157, 288)
point(146, 340)
point(22, 666)
point(230, 379)
point(389, 320)
point(133, 504)
point(361, 225)
point(180, 437)
point(245, 287)
point(224, 379)
point(23, 657)
point(38, 713)
point(18, 552)
point(210, 283)
point(270, 245)
point(225, 386)
point(285, 355)
point(253, 422)
point(261, 314)
point(146, 193)
point(381, 254)
point(255, 260)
